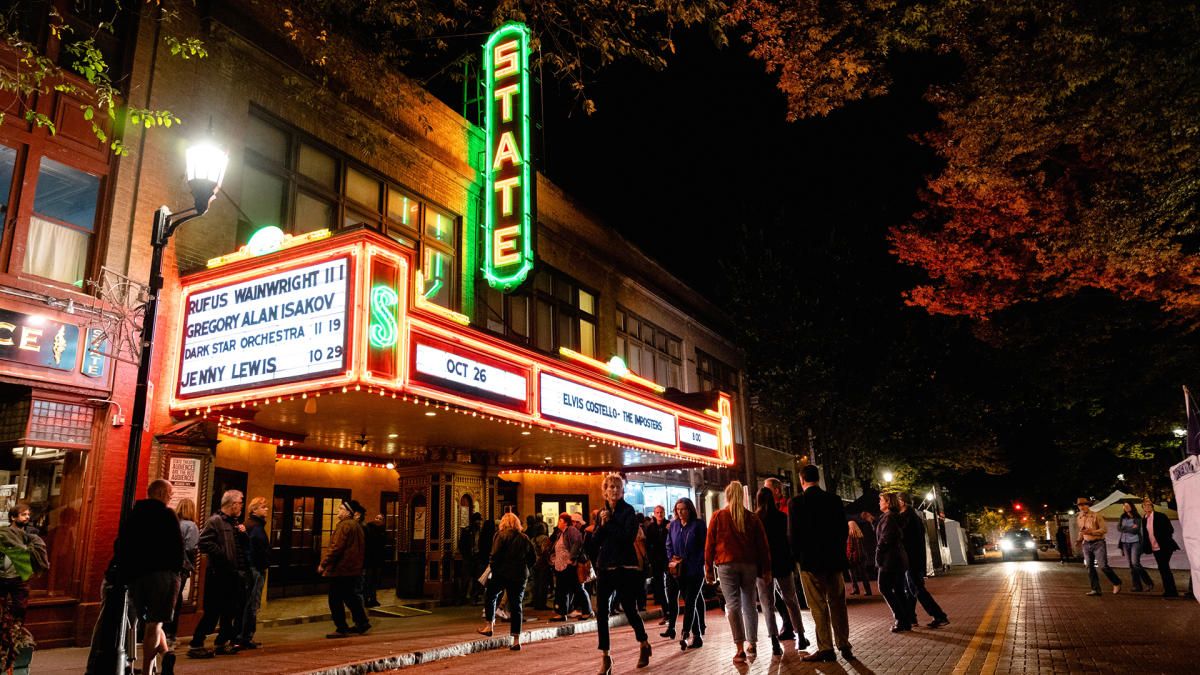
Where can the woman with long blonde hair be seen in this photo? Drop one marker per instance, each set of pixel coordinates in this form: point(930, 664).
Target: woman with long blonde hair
point(737, 554)
point(511, 559)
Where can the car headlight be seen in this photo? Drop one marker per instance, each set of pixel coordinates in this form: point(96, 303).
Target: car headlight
point(1030, 544)
point(1006, 545)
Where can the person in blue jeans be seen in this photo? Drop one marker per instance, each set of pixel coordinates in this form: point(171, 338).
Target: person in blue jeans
point(1095, 552)
point(685, 562)
point(256, 573)
point(1130, 527)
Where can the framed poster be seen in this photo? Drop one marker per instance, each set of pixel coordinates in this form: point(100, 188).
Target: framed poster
point(184, 475)
point(418, 531)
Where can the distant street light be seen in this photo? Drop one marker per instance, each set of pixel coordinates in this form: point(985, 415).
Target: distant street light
point(888, 476)
point(1179, 433)
point(929, 495)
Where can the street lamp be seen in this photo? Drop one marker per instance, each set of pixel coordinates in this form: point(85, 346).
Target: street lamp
point(888, 476)
point(205, 168)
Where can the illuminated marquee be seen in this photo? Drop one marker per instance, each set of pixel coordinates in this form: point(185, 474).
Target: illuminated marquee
point(282, 327)
point(508, 185)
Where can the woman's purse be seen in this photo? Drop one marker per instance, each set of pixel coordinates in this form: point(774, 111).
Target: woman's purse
point(675, 566)
point(584, 571)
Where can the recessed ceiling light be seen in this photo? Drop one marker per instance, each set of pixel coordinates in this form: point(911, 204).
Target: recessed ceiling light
point(525, 433)
point(430, 414)
point(393, 435)
point(591, 445)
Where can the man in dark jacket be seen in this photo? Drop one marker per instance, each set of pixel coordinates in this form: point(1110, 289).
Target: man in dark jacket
point(259, 549)
point(656, 557)
point(150, 558)
point(913, 531)
point(376, 542)
point(224, 597)
point(817, 531)
point(1158, 537)
point(20, 536)
point(343, 565)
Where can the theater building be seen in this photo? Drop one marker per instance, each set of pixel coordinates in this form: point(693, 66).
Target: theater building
point(386, 302)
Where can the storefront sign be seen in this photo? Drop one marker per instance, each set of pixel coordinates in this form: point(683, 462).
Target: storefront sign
point(280, 328)
point(95, 353)
point(508, 186)
point(572, 402)
point(468, 372)
point(697, 438)
point(37, 341)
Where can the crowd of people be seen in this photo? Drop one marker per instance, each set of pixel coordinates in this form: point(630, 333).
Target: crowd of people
point(157, 553)
point(779, 558)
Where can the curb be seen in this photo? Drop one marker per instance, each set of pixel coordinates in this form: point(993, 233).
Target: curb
point(317, 618)
point(414, 658)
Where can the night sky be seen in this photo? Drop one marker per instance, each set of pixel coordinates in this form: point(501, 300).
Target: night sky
point(679, 160)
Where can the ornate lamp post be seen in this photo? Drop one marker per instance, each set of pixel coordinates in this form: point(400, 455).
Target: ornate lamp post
point(205, 168)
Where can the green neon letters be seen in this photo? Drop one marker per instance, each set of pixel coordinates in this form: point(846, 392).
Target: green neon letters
point(508, 182)
point(384, 329)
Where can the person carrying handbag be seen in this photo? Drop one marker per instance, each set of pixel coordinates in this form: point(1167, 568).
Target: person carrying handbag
point(685, 574)
point(510, 562)
point(568, 562)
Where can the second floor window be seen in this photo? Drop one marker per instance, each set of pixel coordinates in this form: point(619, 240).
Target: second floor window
point(649, 350)
point(555, 311)
point(291, 181)
point(715, 375)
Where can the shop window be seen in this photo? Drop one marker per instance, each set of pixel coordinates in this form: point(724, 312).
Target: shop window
point(649, 350)
point(57, 422)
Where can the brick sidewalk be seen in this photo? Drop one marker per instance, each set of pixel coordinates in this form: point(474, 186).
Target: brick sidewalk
point(1006, 618)
point(1020, 617)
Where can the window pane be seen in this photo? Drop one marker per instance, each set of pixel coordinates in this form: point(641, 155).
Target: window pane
point(439, 226)
point(518, 308)
point(635, 357)
point(312, 214)
point(661, 341)
point(563, 290)
point(675, 378)
point(262, 197)
point(673, 348)
point(8, 160)
point(647, 368)
point(541, 281)
point(402, 209)
point(56, 252)
point(66, 194)
point(621, 347)
point(620, 320)
point(587, 302)
point(566, 331)
point(648, 335)
point(660, 370)
point(318, 166)
point(494, 306)
point(545, 326)
point(362, 188)
point(359, 218)
point(266, 140)
point(632, 327)
point(402, 236)
point(587, 338)
point(439, 278)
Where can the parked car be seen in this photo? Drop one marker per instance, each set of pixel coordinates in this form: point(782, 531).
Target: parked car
point(977, 545)
point(1017, 543)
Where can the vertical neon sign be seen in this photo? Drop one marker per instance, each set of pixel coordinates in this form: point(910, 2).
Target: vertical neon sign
point(508, 184)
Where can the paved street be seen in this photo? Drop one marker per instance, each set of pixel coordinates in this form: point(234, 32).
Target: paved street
point(1017, 617)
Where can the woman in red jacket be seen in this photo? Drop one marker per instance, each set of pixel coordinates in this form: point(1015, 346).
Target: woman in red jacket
point(737, 548)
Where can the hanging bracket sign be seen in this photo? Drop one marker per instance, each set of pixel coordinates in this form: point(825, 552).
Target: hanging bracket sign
point(509, 178)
